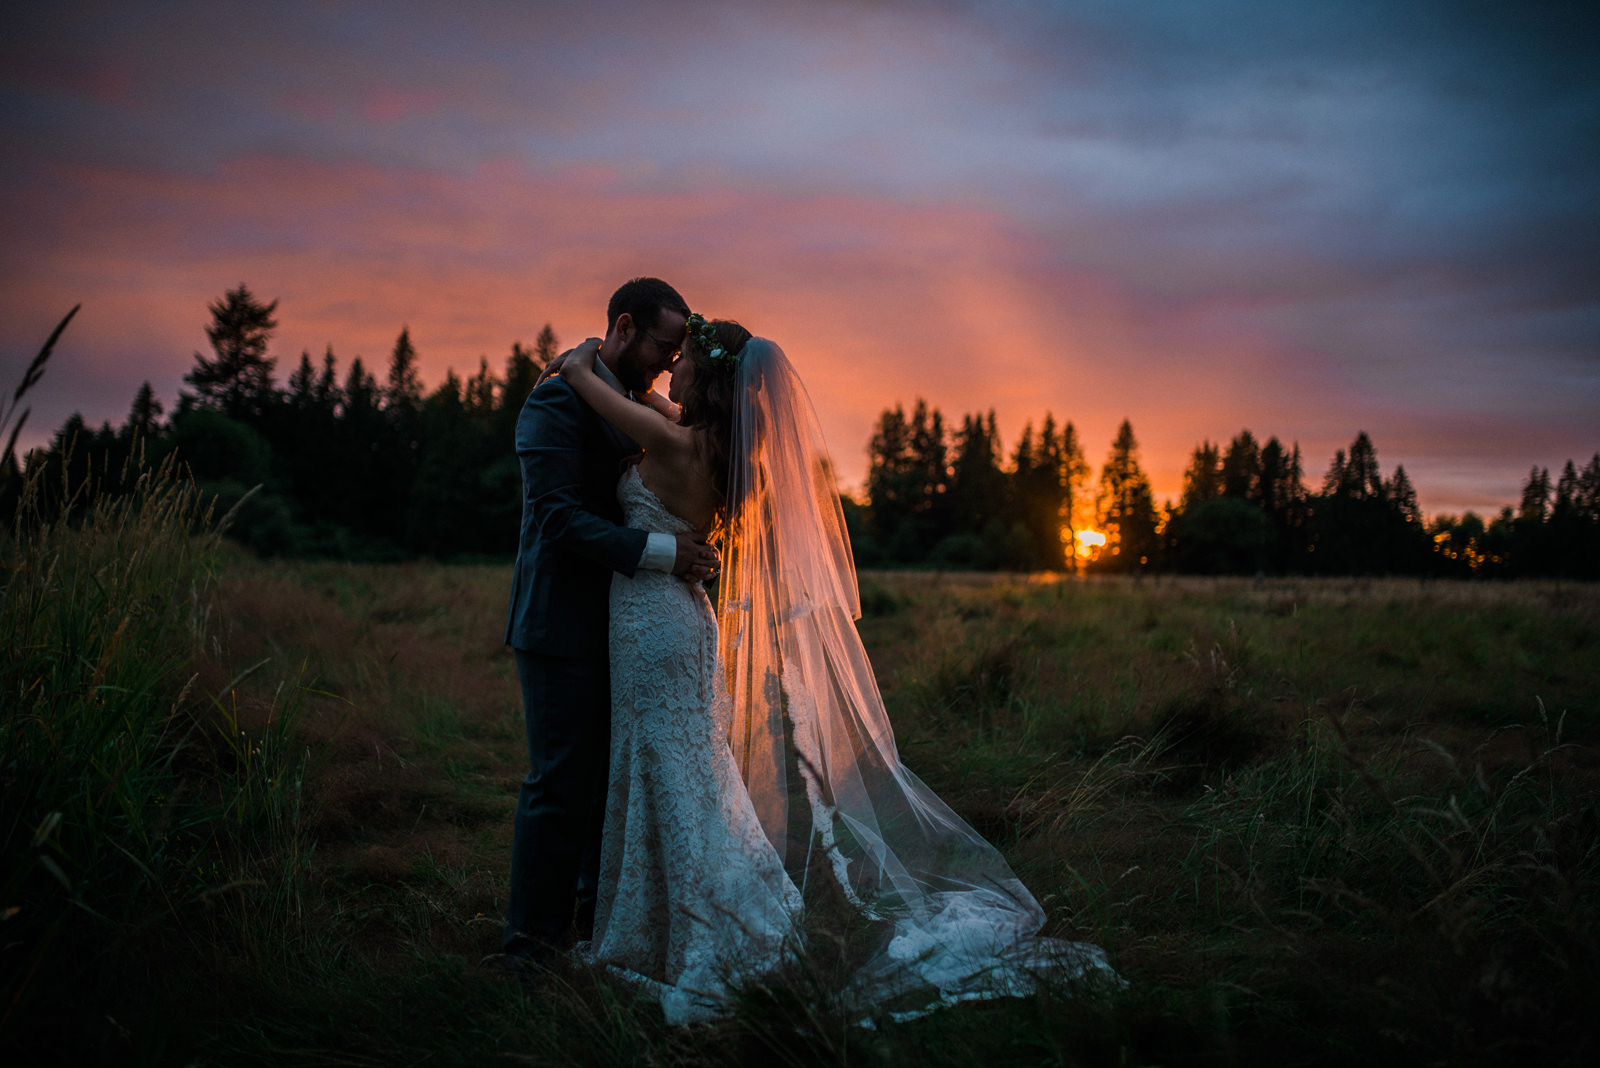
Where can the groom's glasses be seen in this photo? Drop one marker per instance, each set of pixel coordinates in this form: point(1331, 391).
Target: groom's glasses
point(667, 348)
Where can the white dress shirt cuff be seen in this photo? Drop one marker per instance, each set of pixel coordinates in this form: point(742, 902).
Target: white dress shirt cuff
point(660, 552)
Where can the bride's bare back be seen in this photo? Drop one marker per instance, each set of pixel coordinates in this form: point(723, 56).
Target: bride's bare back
point(676, 465)
point(679, 474)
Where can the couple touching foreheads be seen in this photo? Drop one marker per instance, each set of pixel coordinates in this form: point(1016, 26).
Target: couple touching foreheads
point(700, 776)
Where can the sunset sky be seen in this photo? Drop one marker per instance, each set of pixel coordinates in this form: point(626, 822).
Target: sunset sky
point(1307, 219)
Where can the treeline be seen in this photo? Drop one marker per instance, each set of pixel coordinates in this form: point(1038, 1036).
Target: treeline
point(350, 464)
point(950, 498)
point(355, 465)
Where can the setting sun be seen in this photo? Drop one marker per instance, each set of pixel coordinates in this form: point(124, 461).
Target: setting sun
point(1088, 544)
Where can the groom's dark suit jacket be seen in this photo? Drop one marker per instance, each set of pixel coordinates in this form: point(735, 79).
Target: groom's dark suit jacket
point(571, 541)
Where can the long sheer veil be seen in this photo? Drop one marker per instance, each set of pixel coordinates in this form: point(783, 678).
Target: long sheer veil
point(812, 737)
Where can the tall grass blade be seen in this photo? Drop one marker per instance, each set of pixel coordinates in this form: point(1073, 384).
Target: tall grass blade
point(30, 378)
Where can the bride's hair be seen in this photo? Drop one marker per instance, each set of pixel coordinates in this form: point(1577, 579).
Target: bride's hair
point(708, 403)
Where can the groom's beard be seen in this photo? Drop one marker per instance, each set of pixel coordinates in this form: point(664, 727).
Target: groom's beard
point(632, 371)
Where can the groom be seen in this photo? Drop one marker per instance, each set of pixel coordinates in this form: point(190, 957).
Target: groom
point(571, 542)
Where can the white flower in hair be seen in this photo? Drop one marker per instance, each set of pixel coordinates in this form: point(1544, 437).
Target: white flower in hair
point(705, 335)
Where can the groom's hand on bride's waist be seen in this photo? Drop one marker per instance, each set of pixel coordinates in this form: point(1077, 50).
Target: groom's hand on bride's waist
point(697, 561)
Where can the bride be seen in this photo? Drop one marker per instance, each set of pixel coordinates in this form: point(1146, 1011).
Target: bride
point(754, 774)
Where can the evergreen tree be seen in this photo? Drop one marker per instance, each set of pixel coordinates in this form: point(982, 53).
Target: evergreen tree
point(1407, 548)
point(449, 394)
point(1022, 458)
point(1568, 537)
point(1402, 498)
point(238, 380)
point(1222, 525)
point(1048, 498)
point(71, 453)
point(977, 485)
point(358, 483)
point(1333, 482)
point(1354, 526)
point(1530, 549)
point(1049, 470)
point(1500, 545)
point(973, 527)
point(930, 453)
point(1566, 501)
point(1281, 493)
point(1346, 522)
point(144, 417)
point(1125, 507)
point(1279, 486)
point(1241, 468)
point(975, 499)
point(545, 349)
point(1361, 480)
point(1020, 504)
point(522, 371)
point(894, 484)
point(69, 434)
point(402, 407)
point(441, 504)
point(1588, 491)
point(360, 392)
point(403, 392)
point(306, 438)
point(1202, 479)
point(1535, 505)
point(330, 398)
point(1583, 547)
point(478, 394)
point(1074, 470)
point(302, 388)
point(501, 476)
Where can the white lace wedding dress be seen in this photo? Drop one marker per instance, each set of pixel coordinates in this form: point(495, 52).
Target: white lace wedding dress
point(692, 895)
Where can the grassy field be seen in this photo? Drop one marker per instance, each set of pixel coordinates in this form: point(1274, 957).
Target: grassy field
point(1310, 821)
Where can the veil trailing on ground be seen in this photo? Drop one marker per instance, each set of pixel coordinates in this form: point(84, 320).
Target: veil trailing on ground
point(812, 737)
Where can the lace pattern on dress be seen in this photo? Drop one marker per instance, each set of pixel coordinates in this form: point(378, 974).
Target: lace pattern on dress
point(692, 894)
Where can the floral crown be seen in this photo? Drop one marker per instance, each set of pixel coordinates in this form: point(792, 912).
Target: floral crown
point(704, 335)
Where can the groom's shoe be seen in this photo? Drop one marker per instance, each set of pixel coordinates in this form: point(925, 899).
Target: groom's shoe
point(526, 956)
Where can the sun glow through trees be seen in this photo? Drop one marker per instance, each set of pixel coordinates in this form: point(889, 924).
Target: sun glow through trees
point(1086, 544)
